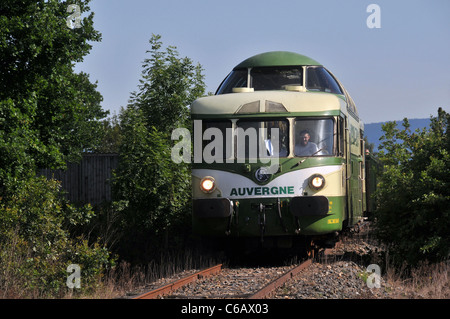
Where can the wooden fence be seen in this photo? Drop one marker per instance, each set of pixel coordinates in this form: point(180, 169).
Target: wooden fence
point(89, 181)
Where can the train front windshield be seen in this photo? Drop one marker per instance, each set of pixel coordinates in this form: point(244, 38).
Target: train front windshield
point(255, 138)
point(314, 137)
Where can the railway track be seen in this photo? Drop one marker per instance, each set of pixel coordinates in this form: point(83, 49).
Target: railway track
point(260, 291)
point(270, 288)
point(170, 288)
point(246, 283)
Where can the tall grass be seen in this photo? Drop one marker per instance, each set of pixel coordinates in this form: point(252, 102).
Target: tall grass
point(125, 278)
point(428, 281)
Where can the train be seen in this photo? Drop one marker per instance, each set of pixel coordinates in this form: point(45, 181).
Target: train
point(279, 156)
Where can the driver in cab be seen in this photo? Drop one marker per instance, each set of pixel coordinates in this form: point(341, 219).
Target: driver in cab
point(304, 147)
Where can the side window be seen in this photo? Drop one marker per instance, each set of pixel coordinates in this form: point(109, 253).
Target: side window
point(341, 134)
point(319, 79)
point(237, 78)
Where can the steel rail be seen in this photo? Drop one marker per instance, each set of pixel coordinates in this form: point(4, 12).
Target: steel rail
point(268, 289)
point(167, 289)
point(275, 284)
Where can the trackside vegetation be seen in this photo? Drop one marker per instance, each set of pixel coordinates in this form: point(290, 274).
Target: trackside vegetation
point(151, 191)
point(48, 115)
point(51, 119)
point(413, 193)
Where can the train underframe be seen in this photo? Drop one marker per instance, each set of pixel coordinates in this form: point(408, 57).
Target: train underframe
point(301, 223)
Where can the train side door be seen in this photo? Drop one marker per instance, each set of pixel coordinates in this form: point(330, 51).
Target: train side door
point(356, 164)
point(362, 173)
point(348, 171)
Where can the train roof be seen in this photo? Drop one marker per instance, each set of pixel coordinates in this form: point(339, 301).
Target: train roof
point(276, 58)
point(268, 103)
point(283, 87)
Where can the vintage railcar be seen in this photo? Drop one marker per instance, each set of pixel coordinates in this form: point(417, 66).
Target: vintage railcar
point(279, 155)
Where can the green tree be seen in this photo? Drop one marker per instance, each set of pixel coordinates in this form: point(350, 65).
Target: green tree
point(48, 113)
point(413, 192)
point(154, 191)
point(111, 136)
point(168, 85)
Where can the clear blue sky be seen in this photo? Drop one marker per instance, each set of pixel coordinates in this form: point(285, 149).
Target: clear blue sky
point(399, 70)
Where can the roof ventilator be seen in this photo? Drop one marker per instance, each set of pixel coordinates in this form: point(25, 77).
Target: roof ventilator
point(274, 107)
point(252, 107)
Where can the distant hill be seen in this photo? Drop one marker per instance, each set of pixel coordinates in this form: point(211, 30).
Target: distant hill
point(373, 131)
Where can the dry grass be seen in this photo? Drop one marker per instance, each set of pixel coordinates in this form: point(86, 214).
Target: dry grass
point(116, 283)
point(426, 281)
point(125, 279)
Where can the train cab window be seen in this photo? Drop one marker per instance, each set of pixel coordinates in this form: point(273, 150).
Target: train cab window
point(255, 138)
point(262, 78)
point(275, 78)
point(319, 79)
point(314, 137)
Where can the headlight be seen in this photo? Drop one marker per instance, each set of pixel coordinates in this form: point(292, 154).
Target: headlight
point(317, 182)
point(208, 184)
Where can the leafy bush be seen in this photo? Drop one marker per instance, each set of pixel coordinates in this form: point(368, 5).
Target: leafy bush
point(36, 246)
point(413, 193)
point(153, 192)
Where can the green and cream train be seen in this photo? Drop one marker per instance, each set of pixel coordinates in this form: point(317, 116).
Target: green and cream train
point(279, 155)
